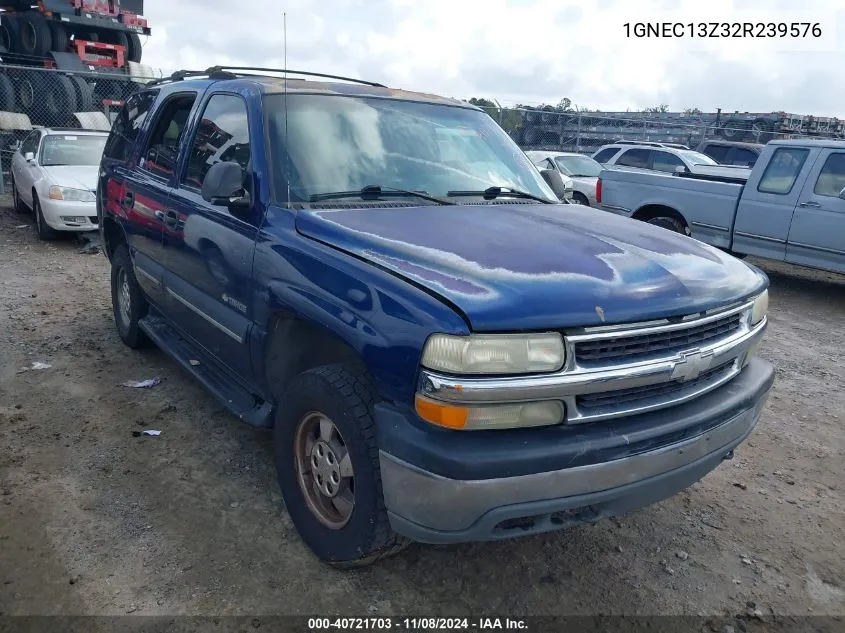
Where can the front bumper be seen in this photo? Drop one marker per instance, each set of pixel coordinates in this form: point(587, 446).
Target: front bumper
point(55, 210)
point(441, 489)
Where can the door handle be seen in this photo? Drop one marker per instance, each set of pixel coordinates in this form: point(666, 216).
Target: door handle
point(810, 203)
point(128, 198)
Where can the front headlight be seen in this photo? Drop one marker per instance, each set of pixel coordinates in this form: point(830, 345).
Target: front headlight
point(761, 307)
point(70, 194)
point(494, 353)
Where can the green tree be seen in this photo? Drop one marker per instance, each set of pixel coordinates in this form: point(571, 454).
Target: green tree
point(658, 108)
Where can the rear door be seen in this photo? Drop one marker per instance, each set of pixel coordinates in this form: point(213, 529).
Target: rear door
point(117, 186)
point(148, 188)
point(209, 261)
point(768, 202)
point(817, 233)
point(635, 157)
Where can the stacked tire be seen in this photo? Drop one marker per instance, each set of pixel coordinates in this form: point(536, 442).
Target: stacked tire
point(51, 97)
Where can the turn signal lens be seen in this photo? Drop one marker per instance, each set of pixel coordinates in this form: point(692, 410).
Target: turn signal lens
point(490, 417)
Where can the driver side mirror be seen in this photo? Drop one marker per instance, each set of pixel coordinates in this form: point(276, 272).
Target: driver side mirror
point(29, 157)
point(223, 186)
point(555, 181)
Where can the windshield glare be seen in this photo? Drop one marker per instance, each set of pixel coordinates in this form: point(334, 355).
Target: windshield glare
point(333, 143)
point(696, 158)
point(578, 166)
point(72, 149)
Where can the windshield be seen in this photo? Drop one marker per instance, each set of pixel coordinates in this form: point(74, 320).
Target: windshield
point(578, 166)
point(332, 143)
point(696, 158)
point(72, 149)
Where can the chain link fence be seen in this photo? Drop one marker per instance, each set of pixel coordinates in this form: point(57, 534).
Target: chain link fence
point(548, 128)
point(31, 97)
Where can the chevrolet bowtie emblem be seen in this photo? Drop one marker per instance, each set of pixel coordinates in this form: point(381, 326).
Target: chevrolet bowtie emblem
point(691, 365)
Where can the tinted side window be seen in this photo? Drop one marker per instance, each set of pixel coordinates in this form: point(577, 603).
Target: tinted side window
point(742, 157)
point(717, 152)
point(832, 176)
point(782, 170)
point(222, 135)
point(664, 161)
point(606, 154)
point(128, 125)
point(160, 155)
point(634, 158)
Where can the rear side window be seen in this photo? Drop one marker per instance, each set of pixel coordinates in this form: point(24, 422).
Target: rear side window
point(742, 157)
point(719, 153)
point(635, 158)
point(664, 161)
point(606, 154)
point(222, 135)
point(162, 150)
point(128, 125)
point(782, 170)
point(832, 176)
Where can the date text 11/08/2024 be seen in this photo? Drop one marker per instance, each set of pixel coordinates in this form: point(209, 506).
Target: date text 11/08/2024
point(762, 30)
point(411, 625)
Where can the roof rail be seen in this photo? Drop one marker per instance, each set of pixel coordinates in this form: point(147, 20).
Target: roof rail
point(222, 69)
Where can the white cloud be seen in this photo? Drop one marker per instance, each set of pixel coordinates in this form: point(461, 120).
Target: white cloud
point(527, 51)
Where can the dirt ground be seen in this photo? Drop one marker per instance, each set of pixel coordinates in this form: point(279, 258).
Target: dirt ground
point(94, 520)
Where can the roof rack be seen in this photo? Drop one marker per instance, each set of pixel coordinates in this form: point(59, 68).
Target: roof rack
point(651, 144)
point(234, 72)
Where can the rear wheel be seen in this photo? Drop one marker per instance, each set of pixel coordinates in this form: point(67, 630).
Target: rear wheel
point(673, 224)
point(327, 464)
point(17, 203)
point(128, 301)
point(134, 51)
point(580, 198)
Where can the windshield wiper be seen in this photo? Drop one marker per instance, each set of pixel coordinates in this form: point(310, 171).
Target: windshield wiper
point(491, 193)
point(374, 192)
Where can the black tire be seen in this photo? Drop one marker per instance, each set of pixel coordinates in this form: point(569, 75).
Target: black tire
point(9, 29)
point(345, 395)
point(580, 198)
point(59, 98)
point(34, 36)
point(44, 232)
point(17, 203)
point(7, 94)
point(30, 87)
point(84, 93)
point(134, 50)
point(119, 38)
point(61, 38)
point(127, 326)
point(673, 224)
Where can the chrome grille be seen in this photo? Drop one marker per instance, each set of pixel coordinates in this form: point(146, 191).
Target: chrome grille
point(650, 343)
point(598, 403)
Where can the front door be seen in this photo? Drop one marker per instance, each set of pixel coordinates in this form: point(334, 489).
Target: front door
point(208, 259)
point(768, 202)
point(23, 172)
point(817, 234)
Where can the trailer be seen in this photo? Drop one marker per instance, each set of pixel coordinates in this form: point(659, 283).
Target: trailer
point(549, 128)
point(61, 57)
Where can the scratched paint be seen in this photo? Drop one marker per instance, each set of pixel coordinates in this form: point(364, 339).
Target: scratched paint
point(516, 266)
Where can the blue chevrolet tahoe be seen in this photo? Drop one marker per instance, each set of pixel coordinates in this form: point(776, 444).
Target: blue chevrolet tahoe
point(445, 351)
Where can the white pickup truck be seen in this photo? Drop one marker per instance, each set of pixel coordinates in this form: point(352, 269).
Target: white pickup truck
point(790, 208)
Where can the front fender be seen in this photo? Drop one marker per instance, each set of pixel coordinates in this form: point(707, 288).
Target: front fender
point(385, 319)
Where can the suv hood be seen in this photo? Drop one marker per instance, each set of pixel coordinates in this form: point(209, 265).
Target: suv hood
point(530, 266)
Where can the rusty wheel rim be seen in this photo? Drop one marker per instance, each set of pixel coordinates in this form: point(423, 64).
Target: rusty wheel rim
point(324, 470)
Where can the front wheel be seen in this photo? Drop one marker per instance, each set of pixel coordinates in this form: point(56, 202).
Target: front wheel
point(45, 232)
point(327, 463)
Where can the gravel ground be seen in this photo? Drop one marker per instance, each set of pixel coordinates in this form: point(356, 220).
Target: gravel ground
point(94, 520)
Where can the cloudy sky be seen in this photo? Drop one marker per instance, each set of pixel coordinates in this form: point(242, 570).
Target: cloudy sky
point(525, 51)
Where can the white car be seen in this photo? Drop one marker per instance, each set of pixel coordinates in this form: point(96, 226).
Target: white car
point(54, 173)
point(582, 170)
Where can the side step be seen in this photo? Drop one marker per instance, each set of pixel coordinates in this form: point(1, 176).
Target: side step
point(215, 379)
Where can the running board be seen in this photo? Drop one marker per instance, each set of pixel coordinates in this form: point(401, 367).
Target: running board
point(245, 405)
